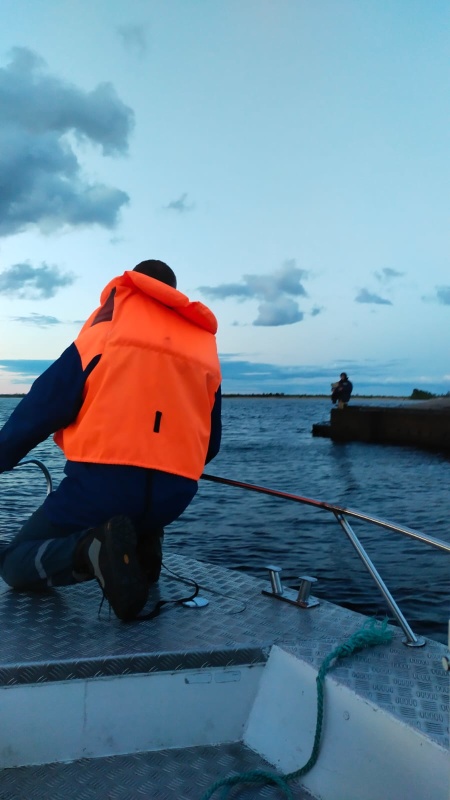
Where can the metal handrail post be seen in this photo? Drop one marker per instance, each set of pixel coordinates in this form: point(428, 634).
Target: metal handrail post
point(411, 639)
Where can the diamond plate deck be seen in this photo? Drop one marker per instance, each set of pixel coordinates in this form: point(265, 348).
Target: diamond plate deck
point(166, 775)
point(59, 636)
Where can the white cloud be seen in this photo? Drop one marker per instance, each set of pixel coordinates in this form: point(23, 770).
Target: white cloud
point(273, 291)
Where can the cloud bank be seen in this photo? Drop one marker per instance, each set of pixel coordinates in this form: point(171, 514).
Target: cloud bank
point(40, 175)
point(24, 370)
point(369, 377)
point(273, 291)
point(36, 283)
point(247, 377)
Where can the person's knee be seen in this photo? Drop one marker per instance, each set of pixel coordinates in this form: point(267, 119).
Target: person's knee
point(19, 565)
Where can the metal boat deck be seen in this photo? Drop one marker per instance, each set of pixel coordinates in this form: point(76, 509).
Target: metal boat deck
point(175, 774)
point(57, 642)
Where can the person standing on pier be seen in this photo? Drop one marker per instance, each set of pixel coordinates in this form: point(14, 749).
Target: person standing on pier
point(135, 405)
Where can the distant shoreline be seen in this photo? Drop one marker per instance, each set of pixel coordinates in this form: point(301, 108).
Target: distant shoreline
point(279, 396)
point(282, 396)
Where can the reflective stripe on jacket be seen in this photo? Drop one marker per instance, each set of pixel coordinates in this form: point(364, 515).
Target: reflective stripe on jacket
point(148, 400)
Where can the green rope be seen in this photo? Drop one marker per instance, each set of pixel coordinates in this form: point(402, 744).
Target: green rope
point(371, 634)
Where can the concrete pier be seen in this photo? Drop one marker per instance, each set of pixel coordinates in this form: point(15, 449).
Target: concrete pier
point(419, 424)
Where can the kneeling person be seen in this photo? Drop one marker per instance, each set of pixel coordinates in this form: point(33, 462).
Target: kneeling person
point(135, 405)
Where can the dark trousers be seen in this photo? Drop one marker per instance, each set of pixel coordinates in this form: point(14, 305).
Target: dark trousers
point(42, 553)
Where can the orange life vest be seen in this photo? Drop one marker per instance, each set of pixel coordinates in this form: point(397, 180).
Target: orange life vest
point(148, 401)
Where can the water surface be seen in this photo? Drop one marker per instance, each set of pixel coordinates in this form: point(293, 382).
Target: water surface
point(268, 442)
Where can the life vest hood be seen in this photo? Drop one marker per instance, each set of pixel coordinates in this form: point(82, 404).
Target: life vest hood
point(194, 311)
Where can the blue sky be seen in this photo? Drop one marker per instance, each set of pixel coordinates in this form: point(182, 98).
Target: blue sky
point(289, 159)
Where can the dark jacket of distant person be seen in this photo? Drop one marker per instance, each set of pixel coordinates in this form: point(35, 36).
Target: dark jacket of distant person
point(343, 390)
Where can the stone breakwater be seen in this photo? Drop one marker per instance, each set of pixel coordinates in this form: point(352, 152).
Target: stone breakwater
point(424, 424)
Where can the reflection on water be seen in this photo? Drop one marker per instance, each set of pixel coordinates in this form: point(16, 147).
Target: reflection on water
point(268, 442)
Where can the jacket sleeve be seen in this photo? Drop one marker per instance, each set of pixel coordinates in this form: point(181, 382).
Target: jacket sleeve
point(53, 402)
point(216, 427)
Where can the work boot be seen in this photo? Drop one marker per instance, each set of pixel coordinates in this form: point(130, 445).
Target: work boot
point(108, 553)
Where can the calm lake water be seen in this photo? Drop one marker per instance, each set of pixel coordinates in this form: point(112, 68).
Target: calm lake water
point(269, 442)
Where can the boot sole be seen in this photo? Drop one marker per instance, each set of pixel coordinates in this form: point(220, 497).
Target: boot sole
point(126, 586)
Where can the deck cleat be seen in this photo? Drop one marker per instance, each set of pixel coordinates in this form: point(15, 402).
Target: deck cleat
point(300, 597)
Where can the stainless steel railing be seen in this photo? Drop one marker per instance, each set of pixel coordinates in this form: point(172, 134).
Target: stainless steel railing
point(341, 515)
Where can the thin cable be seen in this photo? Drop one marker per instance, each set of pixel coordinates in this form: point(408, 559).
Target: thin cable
point(156, 610)
point(208, 589)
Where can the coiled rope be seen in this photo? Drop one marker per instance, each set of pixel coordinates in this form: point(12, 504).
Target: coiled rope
point(371, 634)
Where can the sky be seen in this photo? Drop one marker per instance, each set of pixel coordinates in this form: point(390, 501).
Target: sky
point(290, 160)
